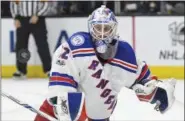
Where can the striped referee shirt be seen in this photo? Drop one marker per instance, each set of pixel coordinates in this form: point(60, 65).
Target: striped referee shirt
point(28, 8)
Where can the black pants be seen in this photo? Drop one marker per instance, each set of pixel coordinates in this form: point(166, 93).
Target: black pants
point(39, 33)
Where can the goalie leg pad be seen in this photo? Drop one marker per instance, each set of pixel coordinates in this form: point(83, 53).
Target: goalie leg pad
point(46, 108)
point(69, 106)
point(76, 106)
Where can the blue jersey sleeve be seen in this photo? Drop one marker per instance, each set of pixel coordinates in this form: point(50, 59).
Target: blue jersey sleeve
point(125, 57)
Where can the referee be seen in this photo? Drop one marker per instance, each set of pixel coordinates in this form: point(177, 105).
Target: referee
point(29, 19)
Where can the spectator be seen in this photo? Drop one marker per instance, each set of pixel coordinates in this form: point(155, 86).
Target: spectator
point(154, 7)
point(179, 8)
point(130, 6)
point(52, 9)
point(74, 8)
point(29, 19)
point(63, 7)
point(174, 7)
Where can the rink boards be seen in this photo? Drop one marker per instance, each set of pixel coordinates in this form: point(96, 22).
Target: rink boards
point(157, 40)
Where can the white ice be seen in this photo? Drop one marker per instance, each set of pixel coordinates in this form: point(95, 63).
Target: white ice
point(33, 92)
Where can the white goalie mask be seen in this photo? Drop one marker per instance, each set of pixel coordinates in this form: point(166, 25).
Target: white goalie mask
point(102, 26)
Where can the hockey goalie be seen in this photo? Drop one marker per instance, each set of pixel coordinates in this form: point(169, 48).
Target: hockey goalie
point(89, 70)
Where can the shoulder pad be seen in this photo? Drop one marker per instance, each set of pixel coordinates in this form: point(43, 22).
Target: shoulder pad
point(126, 53)
point(80, 40)
point(126, 56)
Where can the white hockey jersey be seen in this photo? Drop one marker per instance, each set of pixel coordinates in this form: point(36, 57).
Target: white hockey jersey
point(75, 67)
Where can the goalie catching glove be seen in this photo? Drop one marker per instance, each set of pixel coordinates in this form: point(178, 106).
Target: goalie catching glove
point(159, 92)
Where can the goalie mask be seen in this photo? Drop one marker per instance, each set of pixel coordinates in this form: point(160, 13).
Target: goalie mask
point(102, 26)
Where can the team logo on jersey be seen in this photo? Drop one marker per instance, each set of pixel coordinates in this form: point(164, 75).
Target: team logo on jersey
point(77, 40)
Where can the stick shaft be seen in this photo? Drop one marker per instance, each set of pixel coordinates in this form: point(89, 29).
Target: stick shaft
point(25, 105)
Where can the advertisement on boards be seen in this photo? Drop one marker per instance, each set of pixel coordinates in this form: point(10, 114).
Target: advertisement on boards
point(160, 40)
point(176, 33)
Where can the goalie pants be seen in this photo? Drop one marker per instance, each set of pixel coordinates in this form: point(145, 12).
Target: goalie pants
point(39, 33)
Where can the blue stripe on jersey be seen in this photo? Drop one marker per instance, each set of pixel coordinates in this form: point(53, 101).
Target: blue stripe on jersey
point(62, 75)
point(75, 103)
point(130, 70)
point(126, 53)
point(53, 83)
point(83, 55)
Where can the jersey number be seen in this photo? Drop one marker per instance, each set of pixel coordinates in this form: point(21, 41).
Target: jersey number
point(64, 54)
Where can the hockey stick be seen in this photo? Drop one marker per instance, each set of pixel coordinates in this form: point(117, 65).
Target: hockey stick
point(25, 105)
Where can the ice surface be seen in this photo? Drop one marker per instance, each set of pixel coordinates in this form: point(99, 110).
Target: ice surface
point(33, 91)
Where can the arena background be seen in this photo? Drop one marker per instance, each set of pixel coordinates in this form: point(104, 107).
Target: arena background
point(155, 29)
point(157, 40)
